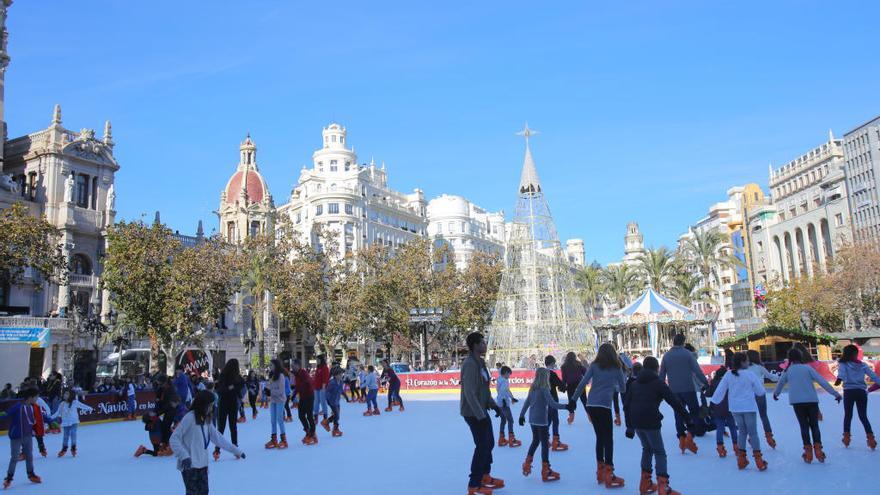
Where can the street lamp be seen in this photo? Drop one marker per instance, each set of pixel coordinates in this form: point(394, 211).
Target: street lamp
point(422, 318)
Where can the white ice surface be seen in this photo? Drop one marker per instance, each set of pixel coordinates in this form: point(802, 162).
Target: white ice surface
point(427, 450)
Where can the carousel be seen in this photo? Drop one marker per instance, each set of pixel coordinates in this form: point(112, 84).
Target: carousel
point(646, 326)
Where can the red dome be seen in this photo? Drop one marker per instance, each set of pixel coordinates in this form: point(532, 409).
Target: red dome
point(255, 187)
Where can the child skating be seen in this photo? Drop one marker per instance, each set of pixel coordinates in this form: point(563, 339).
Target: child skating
point(393, 381)
point(371, 383)
point(276, 411)
point(21, 432)
point(153, 427)
point(302, 385)
point(556, 384)
point(334, 393)
point(758, 368)
point(505, 399)
point(721, 415)
point(69, 411)
point(540, 401)
point(742, 387)
point(802, 396)
point(851, 374)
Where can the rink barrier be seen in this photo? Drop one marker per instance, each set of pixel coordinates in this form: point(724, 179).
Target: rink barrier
point(107, 407)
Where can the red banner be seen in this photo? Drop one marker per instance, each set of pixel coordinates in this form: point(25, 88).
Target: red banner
point(106, 406)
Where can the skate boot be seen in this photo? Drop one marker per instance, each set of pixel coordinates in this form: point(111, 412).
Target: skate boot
point(325, 423)
point(770, 440)
point(690, 443)
point(368, 412)
point(388, 409)
point(337, 432)
point(846, 438)
point(43, 451)
point(527, 466)
point(273, 442)
point(741, 460)
point(140, 451)
point(558, 446)
point(479, 490)
point(617, 419)
point(682, 443)
point(513, 442)
point(570, 418)
point(818, 452)
point(663, 486)
point(646, 484)
point(502, 440)
point(72, 451)
point(612, 481)
point(548, 474)
point(492, 483)
point(600, 473)
point(313, 440)
point(283, 443)
point(33, 478)
point(216, 454)
point(6, 482)
point(401, 408)
point(62, 452)
point(254, 415)
point(872, 443)
point(760, 463)
point(722, 451)
point(376, 412)
point(808, 454)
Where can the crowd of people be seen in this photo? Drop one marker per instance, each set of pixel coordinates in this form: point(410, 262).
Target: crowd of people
point(733, 399)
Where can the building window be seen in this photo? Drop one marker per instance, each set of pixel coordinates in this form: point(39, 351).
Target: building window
point(319, 210)
point(255, 228)
point(333, 208)
point(349, 209)
point(320, 166)
point(32, 186)
point(94, 193)
point(82, 190)
point(347, 166)
point(333, 166)
point(838, 219)
point(298, 217)
point(230, 232)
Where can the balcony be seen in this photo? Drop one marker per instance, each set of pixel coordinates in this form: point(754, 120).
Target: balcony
point(78, 280)
point(86, 218)
point(33, 322)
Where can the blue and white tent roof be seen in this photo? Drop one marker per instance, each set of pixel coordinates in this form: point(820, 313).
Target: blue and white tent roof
point(652, 303)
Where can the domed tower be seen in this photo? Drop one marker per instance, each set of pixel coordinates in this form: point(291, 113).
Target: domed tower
point(334, 157)
point(246, 207)
point(634, 243)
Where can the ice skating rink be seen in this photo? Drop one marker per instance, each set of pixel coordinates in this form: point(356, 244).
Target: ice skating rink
point(427, 449)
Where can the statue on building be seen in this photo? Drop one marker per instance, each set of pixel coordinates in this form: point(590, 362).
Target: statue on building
point(8, 183)
point(111, 198)
point(68, 188)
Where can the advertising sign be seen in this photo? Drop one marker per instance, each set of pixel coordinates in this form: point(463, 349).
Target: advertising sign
point(36, 337)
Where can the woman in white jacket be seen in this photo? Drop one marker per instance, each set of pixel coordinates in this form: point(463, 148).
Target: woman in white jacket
point(190, 443)
point(68, 411)
point(742, 388)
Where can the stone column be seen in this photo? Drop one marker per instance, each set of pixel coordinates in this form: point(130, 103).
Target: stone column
point(820, 247)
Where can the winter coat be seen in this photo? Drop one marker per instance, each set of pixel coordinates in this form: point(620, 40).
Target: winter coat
point(741, 388)
point(641, 402)
point(183, 386)
point(572, 373)
point(334, 392)
point(800, 378)
point(763, 373)
point(69, 412)
point(389, 374)
point(680, 367)
point(253, 386)
point(722, 408)
point(351, 373)
point(475, 397)
point(191, 440)
point(852, 374)
point(276, 390)
point(370, 381)
point(322, 377)
point(604, 383)
point(556, 384)
point(502, 391)
point(21, 420)
point(538, 403)
point(302, 383)
point(230, 393)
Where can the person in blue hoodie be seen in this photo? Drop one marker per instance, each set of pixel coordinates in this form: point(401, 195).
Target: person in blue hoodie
point(21, 431)
point(851, 374)
point(334, 393)
point(802, 396)
point(541, 401)
point(183, 386)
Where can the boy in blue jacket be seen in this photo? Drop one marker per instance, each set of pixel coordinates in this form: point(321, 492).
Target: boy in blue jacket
point(21, 431)
point(334, 393)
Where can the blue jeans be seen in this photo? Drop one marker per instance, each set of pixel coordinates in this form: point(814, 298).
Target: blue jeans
point(747, 424)
point(506, 419)
point(132, 405)
point(320, 402)
point(653, 449)
point(394, 394)
point(276, 415)
point(484, 442)
point(371, 398)
point(689, 401)
point(720, 424)
point(553, 415)
point(69, 434)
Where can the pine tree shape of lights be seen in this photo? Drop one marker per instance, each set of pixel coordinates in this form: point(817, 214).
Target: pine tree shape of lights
point(537, 311)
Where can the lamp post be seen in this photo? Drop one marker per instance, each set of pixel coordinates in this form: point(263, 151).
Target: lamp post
point(422, 318)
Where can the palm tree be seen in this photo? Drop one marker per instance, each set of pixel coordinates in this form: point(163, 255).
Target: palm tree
point(707, 254)
point(621, 282)
point(685, 287)
point(656, 268)
point(590, 286)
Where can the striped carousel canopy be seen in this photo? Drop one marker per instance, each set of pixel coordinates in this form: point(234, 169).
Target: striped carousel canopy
point(652, 303)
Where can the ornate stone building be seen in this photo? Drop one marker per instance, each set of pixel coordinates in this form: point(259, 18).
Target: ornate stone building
point(465, 227)
point(246, 206)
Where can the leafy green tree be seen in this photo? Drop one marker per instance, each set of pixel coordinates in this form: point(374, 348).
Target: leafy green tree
point(686, 288)
point(623, 282)
point(29, 241)
point(591, 287)
point(259, 261)
point(811, 302)
point(656, 268)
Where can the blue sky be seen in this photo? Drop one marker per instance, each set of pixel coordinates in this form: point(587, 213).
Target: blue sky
point(648, 111)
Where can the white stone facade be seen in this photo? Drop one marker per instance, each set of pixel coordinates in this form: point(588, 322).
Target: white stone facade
point(861, 147)
point(352, 200)
point(465, 227)
point(808, 220)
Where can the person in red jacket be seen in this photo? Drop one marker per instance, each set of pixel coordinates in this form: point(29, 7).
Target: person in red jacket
point(322, 378)
point(302, 386)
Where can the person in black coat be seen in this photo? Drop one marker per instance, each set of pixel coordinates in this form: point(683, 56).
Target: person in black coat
point(230, 386)
point(641, 407)
point(556, 384)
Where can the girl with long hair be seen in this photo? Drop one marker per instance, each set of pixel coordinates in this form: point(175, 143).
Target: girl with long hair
point(276, 407)
point(758, 368)
point(229, 387)
point(572, 372)
point(69, 411)
point(851, 374)
point(742, 388)
point(606, 377)
point(540, 401)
